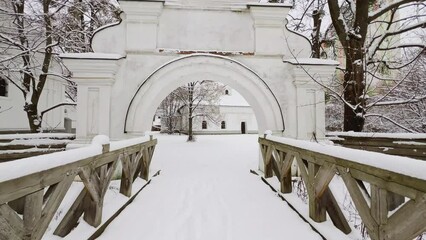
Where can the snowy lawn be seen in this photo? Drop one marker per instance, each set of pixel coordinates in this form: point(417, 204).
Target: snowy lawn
point(206, 191)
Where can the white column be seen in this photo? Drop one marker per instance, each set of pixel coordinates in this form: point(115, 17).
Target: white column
point(310, 95)
point(269, 24)
point(142, 24)
point(94, 75)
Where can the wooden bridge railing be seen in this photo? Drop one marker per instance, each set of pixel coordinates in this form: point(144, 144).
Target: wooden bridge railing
point(384, 174)
point(42, 182)
point(406, 144)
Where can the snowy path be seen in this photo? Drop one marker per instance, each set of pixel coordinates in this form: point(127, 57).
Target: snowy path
point(205, 191)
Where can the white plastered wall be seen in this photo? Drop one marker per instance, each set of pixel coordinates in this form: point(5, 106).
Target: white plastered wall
point(160, 46)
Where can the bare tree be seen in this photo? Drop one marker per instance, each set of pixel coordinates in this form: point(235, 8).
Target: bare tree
point(370, 38)
point(200, 99)
point(408, 109)
point(31, 36)
point(169, 111)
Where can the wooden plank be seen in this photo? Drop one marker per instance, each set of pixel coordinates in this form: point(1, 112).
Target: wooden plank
point(379, 205)
point(360, 203)
point(286, 184)
point(317, 211)
point(390, 186)
point(32, 212)
point(144, 166)
point(276, 168)
point(267, 162)
point(93, 208)
point(52, 205)
point(323, 178)
point(127, 175)
point(303, 171)
point(408, 221)
point(109, 172)
point(11, 225)
point(287, 162)
point(92, 211)
point(70, 219)
point(91, 182)
point(335, 213)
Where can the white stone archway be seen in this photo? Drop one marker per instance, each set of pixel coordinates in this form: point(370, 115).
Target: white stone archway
point(160, 45)
point(196, 67)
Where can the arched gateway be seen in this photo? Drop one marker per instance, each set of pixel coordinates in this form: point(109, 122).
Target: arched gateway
point(161, 45)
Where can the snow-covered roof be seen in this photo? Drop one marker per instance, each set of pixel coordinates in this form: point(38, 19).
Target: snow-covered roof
point(103, 56)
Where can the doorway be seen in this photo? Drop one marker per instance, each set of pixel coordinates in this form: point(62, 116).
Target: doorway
point(243, 127)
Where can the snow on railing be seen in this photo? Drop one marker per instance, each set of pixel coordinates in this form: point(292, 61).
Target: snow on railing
point(402, 144)
point(391, 179)
point(36, 186)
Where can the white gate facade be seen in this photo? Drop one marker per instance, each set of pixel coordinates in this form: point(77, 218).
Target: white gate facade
point(161, 45)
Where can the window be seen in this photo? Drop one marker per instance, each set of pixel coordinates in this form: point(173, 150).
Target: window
point(223, 125)
point(204, 125)
point(226, 92)
point(3, 87)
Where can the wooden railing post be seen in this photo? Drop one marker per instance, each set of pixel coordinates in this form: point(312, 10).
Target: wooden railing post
point(32, 212)
point(317, 205)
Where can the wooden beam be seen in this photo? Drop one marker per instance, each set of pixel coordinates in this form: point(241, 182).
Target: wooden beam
point(408, 221)
point(267, 162)
point(70, 219)
point(379, 205)
point(335, 213)
point(317, 205)
point(52, 204)
point(32, 212)
point(91, 182)
point(323, 177)
point(360, 203)
point(126, 176)
point(11, 225)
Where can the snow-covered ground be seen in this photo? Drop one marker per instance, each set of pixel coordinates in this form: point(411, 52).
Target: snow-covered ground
point(206, 191)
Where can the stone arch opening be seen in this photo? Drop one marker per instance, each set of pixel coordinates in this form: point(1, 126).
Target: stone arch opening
point(195, 67)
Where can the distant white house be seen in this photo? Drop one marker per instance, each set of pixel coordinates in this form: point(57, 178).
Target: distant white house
point(13, 118)
point(235, 116)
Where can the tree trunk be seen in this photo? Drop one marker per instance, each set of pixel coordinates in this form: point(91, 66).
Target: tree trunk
point(316, 45)
point(190, 111)
point(353, 46)
point(354, 88)
point(34, 119)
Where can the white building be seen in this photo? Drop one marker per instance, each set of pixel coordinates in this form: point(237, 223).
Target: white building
point(13, 118)
point(235, 116)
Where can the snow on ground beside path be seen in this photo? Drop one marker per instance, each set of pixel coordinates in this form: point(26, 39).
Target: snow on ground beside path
point(205, 191)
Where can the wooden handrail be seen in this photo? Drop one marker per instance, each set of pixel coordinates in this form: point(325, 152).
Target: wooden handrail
point(39, 206)
point(319, 164)
point(408, 144)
